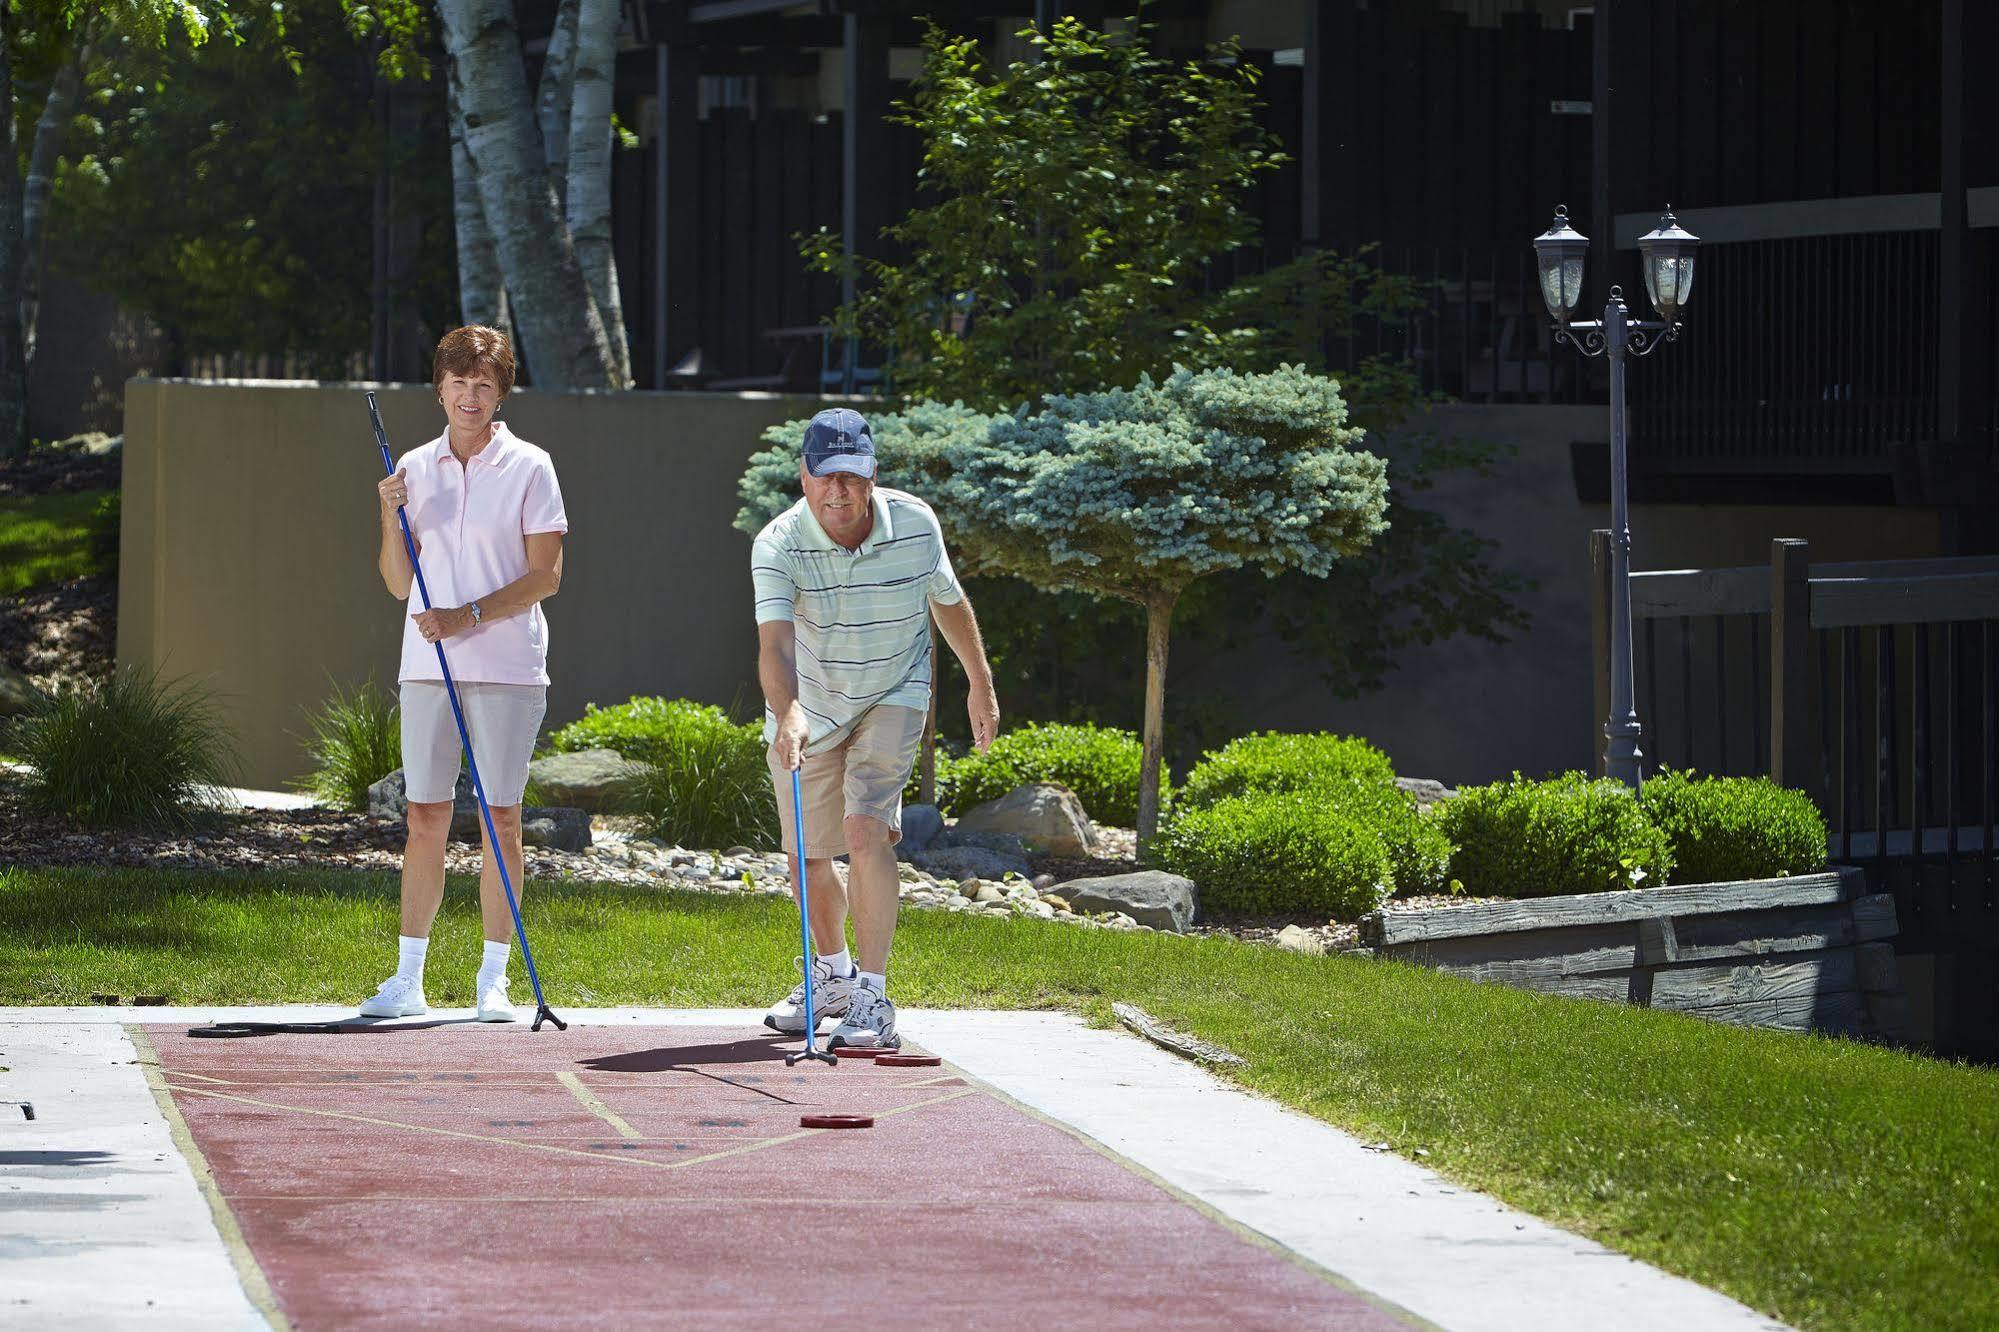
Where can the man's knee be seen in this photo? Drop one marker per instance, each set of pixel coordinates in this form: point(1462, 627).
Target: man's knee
point(864, 834)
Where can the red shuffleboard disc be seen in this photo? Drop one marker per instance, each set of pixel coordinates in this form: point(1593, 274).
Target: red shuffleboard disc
point(897, 1059)
point(857, 1052)
point(836, 1121)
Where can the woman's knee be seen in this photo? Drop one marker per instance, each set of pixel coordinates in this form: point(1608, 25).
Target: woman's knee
point(506, 821)
point(430, 820)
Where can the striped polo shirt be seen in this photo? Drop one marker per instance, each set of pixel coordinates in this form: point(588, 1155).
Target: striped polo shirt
point(861, 616)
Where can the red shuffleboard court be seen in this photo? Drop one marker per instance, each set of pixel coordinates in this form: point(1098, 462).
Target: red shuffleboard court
point(621, 1177)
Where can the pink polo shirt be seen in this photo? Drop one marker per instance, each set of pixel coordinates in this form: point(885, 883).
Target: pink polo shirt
point(471, 524)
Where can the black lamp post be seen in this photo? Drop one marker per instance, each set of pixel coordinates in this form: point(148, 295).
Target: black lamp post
point(1667, 253)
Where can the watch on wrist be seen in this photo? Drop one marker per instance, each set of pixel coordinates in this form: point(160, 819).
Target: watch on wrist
point(475, 614)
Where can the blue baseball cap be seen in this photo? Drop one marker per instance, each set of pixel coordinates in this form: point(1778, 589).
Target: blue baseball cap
point(838, 440)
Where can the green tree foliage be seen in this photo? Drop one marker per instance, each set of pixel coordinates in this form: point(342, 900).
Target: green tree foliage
point(268, 151)
point(1077, 203)
point(1132, 494)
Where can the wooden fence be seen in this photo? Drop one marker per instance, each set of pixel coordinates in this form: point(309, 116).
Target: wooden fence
point(1874, 688)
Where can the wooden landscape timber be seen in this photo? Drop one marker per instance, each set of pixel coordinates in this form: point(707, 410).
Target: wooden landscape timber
point(1804, 953)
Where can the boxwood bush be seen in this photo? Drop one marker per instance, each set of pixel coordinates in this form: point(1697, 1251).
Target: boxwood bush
point(1345, 773)
point(1099, 763)
point(1273, 761)
point(1568, 834)
point(1728, 828)
point(1291, 853)
point(647, 729)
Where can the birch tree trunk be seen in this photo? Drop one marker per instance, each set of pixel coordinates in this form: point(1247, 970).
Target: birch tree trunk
point(50, 131)
point(588, 146)
point(552, 98)
point(13, 355)
point(562, 334)
point(1158, 621)
point(482, 294)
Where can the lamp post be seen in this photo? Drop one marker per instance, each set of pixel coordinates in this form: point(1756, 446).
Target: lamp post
point(1667, 254)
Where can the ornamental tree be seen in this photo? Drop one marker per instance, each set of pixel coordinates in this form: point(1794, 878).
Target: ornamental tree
point(1131, 494)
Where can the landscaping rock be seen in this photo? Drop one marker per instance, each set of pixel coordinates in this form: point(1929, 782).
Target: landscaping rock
point(1300, 940)
point(987, 893)
point(1149, 897)
point(969, 862)
point(920, 826)
point(564, 828)
point(388, 799)
point(1005, 844)
point(16, 694)
point(593, 780)
point(1426, 791)
point(1042, 814)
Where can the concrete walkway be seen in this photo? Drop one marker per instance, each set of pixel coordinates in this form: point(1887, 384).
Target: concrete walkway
point(102, 1221)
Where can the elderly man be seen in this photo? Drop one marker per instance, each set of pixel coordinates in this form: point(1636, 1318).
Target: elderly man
point(846, 581)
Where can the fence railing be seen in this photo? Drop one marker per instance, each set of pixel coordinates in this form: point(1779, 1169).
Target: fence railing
point(1874, 688)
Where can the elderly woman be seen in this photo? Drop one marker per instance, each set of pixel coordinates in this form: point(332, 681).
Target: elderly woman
point(487, 517)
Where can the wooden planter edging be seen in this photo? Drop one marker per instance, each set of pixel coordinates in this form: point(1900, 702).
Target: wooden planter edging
point(1804, 953)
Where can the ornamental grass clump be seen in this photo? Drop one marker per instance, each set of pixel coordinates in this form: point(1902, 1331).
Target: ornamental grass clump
point(354, 740)
point(1279, 855)
point(1568, 834)
point(1343, 772)
point(1099, 763)
point(129, 750)
point(709, 789)
point(1724, 829)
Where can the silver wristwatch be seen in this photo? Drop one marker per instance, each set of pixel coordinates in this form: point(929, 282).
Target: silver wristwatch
point(475, 614)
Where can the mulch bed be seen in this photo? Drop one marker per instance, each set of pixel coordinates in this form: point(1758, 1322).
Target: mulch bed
point(61, 634)
point(46, 471)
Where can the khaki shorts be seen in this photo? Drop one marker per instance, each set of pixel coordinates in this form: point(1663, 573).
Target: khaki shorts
point(863, 774)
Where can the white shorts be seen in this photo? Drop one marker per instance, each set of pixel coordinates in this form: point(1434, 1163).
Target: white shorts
point(504, 720)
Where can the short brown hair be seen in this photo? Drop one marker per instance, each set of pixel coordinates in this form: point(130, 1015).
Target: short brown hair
point(474, 346)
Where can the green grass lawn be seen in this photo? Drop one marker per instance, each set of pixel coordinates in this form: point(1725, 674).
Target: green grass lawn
point(45, 538)
point(1829, 1183)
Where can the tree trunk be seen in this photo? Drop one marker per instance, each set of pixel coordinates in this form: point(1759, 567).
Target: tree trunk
point(482, 295)
point(588, 145)
point(13, 355)
point(1158, 620)
point(552, 98)
point(50, 131)
point(562, 335)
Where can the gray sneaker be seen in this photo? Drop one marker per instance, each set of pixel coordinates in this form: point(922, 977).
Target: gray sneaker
point(830, 997)
point(870, 1022)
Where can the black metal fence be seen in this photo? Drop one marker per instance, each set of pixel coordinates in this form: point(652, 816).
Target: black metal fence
point(1873, 687)
point(1812, 354)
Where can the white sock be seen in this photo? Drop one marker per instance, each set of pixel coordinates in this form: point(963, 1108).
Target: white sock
point(493, 965)
point(842, 963)
point(409, 957)
point(876, 981)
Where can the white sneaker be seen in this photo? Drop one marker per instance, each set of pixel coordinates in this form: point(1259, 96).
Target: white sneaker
point(399, 996)
point(830, 996)
point(494, 1006)
point(870, 1022)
